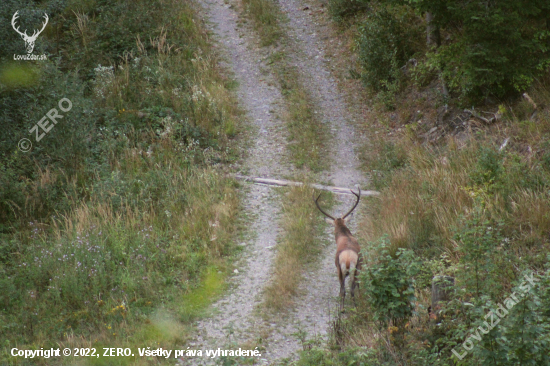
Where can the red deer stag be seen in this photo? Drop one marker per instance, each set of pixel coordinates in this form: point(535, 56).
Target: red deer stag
point(348, 260)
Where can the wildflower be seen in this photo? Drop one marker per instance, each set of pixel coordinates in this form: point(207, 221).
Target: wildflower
point(104, 76)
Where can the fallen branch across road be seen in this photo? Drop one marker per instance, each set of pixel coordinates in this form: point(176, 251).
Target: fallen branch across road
point(285, 183)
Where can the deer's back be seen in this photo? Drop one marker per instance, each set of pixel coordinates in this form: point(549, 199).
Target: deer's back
point(346, 242)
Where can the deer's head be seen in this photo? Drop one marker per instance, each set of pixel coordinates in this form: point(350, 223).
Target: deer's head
point(29, 40)
point(340, 222)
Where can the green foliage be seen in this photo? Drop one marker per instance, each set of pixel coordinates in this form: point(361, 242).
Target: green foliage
point(344, 8)
point(510, 331)
point(500, 173)
point(545, 159)
point(489, 167)
point(348, 357)
point(74, 136)
point(479, 242)
point(117, 210)
point(390, 157)
point(387, 39)
point(496, 48)
point(387, 281)
point(431, 268)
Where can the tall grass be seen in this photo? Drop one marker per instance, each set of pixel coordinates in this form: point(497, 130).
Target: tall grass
point(423, 202)
point(117, 228)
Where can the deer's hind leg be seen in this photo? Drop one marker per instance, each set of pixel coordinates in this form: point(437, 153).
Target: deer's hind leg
point(342, 278)
point(353, 274)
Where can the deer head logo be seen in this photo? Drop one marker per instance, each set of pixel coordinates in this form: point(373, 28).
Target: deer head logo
point(29, 40)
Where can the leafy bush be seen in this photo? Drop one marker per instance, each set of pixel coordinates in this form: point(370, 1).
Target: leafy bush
point(489, 167)
point(387, 39)
point(478, 244)
point(348, 357)
point(513, 329)
point(387, 281)
point(496, 48)
point(344, 8)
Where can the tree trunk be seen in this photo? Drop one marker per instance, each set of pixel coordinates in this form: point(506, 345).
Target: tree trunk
point(441, 288)
point(433, 37)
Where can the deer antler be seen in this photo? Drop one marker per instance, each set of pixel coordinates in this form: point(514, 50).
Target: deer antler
point(319, 207)
point(356, 203)
point(346, 215)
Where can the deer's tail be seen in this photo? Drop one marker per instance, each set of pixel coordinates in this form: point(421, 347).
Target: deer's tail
point(348, 262)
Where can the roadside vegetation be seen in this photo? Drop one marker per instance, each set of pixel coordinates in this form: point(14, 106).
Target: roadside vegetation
point(459, 148)
point(117, 226)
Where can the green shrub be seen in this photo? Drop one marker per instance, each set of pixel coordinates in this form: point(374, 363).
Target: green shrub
point(387, 40)
point(517, 332)
point(479, 241)
point(348, 357)
point(496, 48)
point(387, 281)
point(344, 8)
point(489, 168)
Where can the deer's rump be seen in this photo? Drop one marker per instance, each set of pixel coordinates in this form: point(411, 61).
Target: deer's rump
point(346, 261)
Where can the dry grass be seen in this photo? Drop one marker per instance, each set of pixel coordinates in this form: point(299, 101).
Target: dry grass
point(299, 247)
point(407, 211)
point(266, 17)
point(427, 187)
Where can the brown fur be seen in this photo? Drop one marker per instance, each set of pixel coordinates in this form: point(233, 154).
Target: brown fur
point(348, 251)
point(348, 254)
